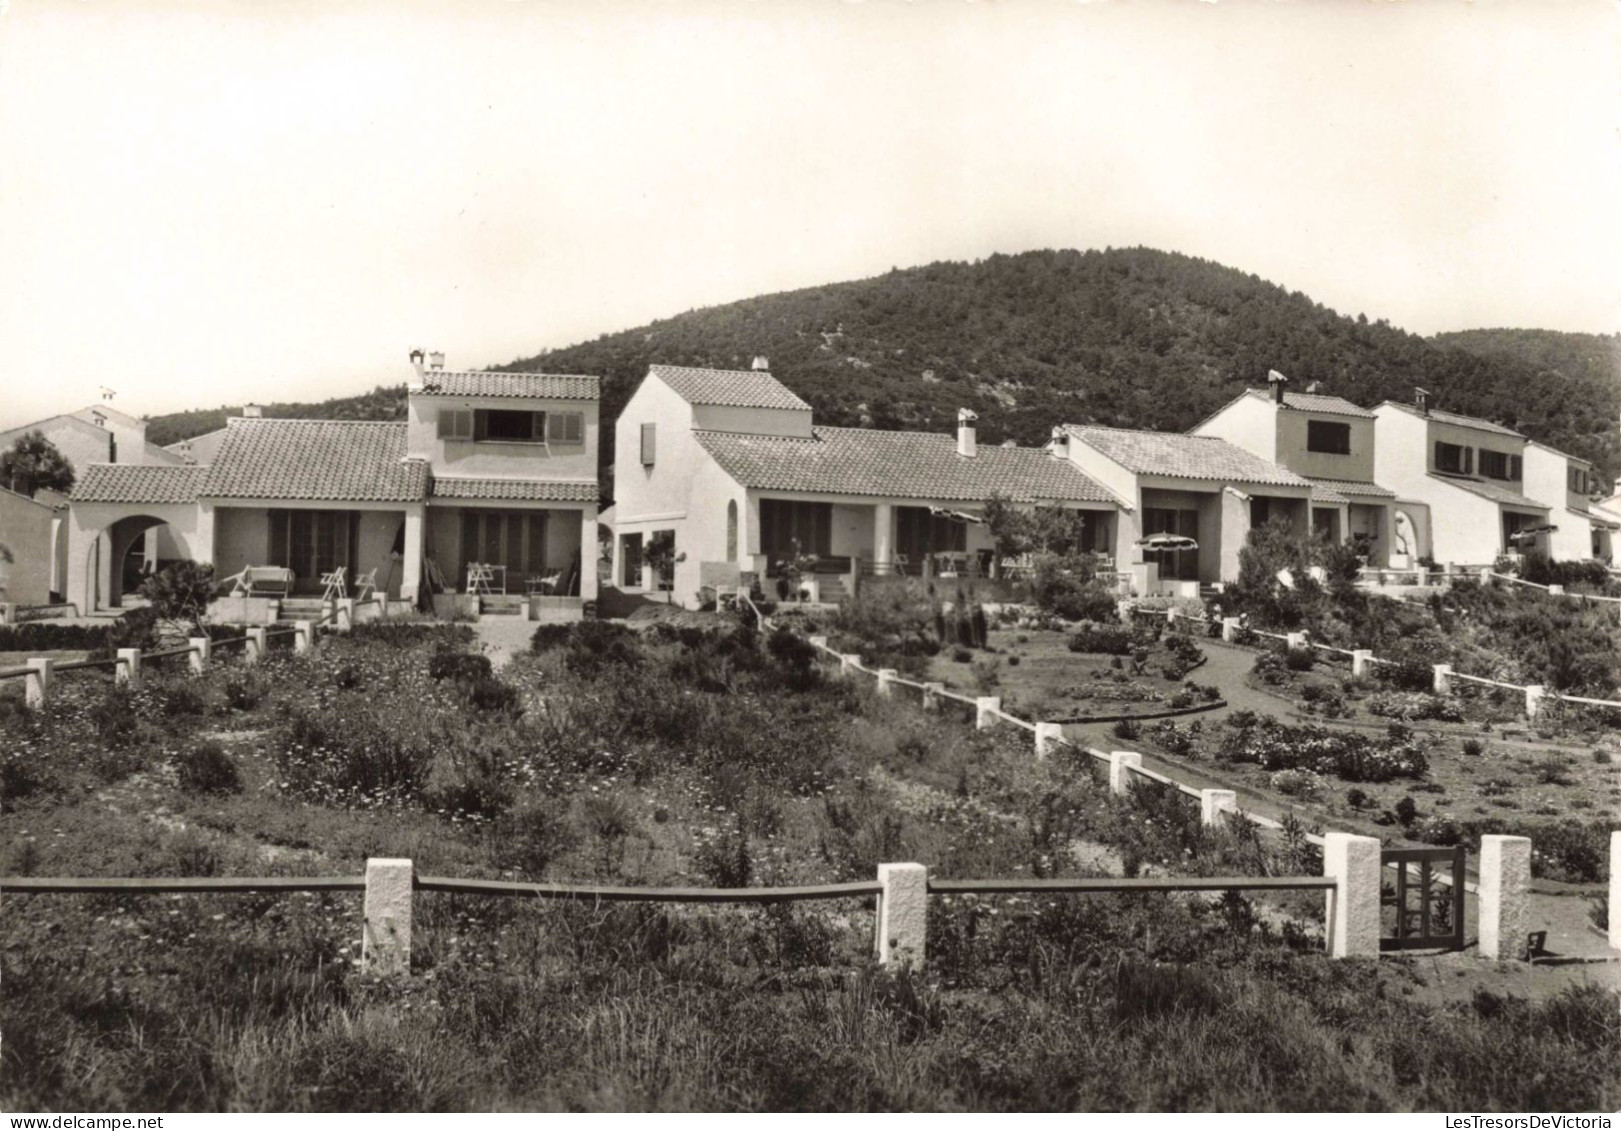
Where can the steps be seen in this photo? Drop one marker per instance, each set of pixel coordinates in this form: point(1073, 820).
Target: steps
point(300, 608)
point(501, 605)
point(834, 589)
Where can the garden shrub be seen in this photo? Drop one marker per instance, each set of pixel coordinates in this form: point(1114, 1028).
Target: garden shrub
point(1104, 639)
point(459, 665)
point(51, 636)
point(1349, 756)
point(1304, 784)
point(207, 767)
point(1299, 659)
point(1414, 705)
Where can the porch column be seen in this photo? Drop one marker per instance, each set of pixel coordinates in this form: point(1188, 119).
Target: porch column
point(1235, 530)
point(883, 535)
point(1385, 545)
point(588, 553)
point(411, 567)
point(203, 550)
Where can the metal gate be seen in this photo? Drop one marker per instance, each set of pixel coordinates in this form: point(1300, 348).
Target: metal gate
point(1428, 913)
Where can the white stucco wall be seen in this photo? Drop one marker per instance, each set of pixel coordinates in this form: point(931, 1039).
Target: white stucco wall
point(496, 459)
point(1547, 480)
point(1249, 422)
point(26, 531)
point(1357, 467)
point(89, 568)
point(754, 421)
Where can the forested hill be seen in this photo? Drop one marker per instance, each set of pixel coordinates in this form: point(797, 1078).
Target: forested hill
point(385, 402)
point(1131, 336)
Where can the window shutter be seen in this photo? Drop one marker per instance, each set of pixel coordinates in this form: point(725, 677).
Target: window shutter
point(1439, 462)
point(537, 430)
point(565, 428)
point(1513, 467)
point(447, 423)
point(649, 442)
point(1468, 461)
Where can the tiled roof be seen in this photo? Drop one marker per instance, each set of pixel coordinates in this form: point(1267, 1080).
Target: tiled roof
point(1595, 518)
point(1345, 490)
point(555, 386)
point(738, 388)
point(1502, 496)
point(1182, 456)
point(902, 465)
point(1454, 418)
point(1315, 402)
point(340, 460)
point(524, 490)
point(138, 483)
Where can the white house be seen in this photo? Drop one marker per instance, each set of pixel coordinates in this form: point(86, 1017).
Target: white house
point(1566, 483)
point(1199, 487)
point(1470, 473)
point(494, 468)
point(730, 464)
point(1328, 441)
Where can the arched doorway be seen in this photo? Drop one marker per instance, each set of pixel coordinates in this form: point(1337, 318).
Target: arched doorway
point(125, 553)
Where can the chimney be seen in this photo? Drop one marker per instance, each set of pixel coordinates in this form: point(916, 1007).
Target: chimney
point(966, 444)
point(1421, 398)
point(760, 365)
point(1277, 381)
point(252, 411)
point(416, 361)
point(1059, 444)
point(436, 360)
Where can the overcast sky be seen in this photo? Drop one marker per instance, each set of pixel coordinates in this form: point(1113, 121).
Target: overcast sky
point(209, 202)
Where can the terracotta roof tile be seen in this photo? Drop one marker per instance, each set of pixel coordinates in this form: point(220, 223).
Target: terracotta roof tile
point(903, 465)
point(1315, 402)
point(138, 483)
point(1502, 496)
point(737, 388)
point(1182, 456)
point(524, 490)
point(338, 460)
point(1347, 490)
point(1454, 418)
point(554, 386)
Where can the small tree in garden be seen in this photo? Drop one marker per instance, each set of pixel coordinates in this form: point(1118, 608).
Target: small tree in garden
point(661, 555)
point(33, 463)
point(1019, 530)
point(179, 593)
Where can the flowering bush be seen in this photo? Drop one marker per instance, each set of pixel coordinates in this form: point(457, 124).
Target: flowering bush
point(1105, 639)
point(1352, 757)
point(1303, 784)
point(1414, 705)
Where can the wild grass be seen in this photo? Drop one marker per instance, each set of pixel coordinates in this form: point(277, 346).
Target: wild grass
point(677, 756)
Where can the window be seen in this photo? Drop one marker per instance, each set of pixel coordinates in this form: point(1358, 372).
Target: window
point(565, 428)
point(509, 426)
point(455, 424)
point(731, 530)
point(649, 442)
point(515, 539)
point(1330, 436)
point(1577, 481)
point(1454, 458)
point(1494, 465)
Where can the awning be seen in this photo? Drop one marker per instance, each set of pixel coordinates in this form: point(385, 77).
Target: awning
point(1526, 533)
point(1167, 542)
point(955, 516)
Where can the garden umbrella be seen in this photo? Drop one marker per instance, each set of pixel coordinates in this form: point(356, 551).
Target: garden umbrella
point(1158, 542)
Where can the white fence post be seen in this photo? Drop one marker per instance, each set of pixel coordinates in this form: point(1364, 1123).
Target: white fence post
point(1295, 641)
point(303, 635)
point(1556, 590)
point(1615, 889)
point(848, 662)
point(202, 649)
point(1534, 695)
point(886, 681)
point(1048, 736)
point(1505, 896)
point(1229, 629)
point(1170, 616)
point(818, 642)
point(386, 945)
point(39, 681)
point(128, 671)
point(345, 614)
point(1443, 678)
point(903, 915)
point(8, 612)
point(1123, 610)
point(1354, 901)
point(1121, 763)
point(1361, 661)
point(1213, 803)
point(985, 708)
point(1486, 576)
point(258, 643)
point(931, 696)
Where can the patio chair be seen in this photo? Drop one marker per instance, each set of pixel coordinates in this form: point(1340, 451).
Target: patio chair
point(261, 581)
point(480, 579)
point(335, 589)
point(365, 585)
point(902, 564)
point(544, 584)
